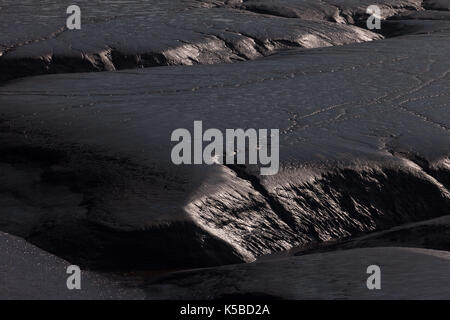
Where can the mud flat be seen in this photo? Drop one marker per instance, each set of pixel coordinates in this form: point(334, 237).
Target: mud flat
point(85, 156)
point(409, 273)
point(27, 272)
